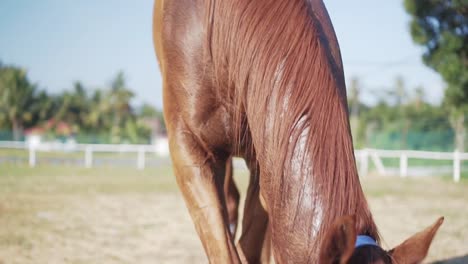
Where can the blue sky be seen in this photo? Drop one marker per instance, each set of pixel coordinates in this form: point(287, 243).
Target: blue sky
point(59, 42)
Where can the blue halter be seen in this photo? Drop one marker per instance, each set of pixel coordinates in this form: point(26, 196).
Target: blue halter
point(365, 241)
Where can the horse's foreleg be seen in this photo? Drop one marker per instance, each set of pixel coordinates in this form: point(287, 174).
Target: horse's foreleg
point(254, 246)
point(232, 197)
point(198, 176)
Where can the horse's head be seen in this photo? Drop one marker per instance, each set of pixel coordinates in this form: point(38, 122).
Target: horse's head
point(340, 247)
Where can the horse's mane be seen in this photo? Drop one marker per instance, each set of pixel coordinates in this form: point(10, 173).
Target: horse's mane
point(282, 61)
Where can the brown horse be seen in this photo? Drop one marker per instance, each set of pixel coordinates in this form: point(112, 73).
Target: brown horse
point(264, 80)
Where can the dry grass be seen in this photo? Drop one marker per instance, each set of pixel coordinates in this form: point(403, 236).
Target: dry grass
point(105, 215)
point(402, 207)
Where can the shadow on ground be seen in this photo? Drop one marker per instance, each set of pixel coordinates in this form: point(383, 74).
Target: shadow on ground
point(456, 260)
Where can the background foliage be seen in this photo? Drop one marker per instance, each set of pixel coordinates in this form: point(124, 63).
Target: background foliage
point(400, 120)
point(102, 115)
point(441, 27)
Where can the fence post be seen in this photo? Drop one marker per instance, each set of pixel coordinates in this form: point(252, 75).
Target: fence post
point(403, 165)
point(141, 158)
point(456, 166)
point(88, 157)
point(32, 156)
point(378, 163)
point(364, 162)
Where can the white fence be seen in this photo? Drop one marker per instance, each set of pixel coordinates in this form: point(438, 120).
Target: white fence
point(88, 150)
point(160, 150)
point(375, 155)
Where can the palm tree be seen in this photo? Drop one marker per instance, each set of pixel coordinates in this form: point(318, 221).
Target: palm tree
point(74, 107)
point(80, 105)
point(16, 97)
point(121, 110)
point(98, 109)
point(43, 108)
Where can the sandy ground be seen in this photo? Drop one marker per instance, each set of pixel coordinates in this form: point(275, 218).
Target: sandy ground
point(109, 229)
point(403, 220)
point(154, 227)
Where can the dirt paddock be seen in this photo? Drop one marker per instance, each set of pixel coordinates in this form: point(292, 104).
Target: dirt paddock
point(74, 215)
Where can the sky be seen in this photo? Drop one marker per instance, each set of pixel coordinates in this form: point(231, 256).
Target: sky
point(59, 42)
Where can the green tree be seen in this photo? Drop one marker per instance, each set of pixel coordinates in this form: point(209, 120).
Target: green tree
point(419, 95)
point(74, 106)
point(441, 26)
point(401, 94)
point(99, 112)
point(43, 108)
point(152, 118)
point(16, 97)
point(104, 112)
point(121, 110)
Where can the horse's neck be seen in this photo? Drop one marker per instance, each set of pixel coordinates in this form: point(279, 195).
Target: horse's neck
point(283, 61)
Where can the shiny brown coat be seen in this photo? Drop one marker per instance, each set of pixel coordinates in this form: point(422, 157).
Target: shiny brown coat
point(263, 80)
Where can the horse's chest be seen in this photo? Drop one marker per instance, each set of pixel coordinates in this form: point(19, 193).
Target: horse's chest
point(215, 128)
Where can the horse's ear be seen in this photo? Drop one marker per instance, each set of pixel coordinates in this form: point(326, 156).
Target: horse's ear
point(414, 249)
point(338, 244)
